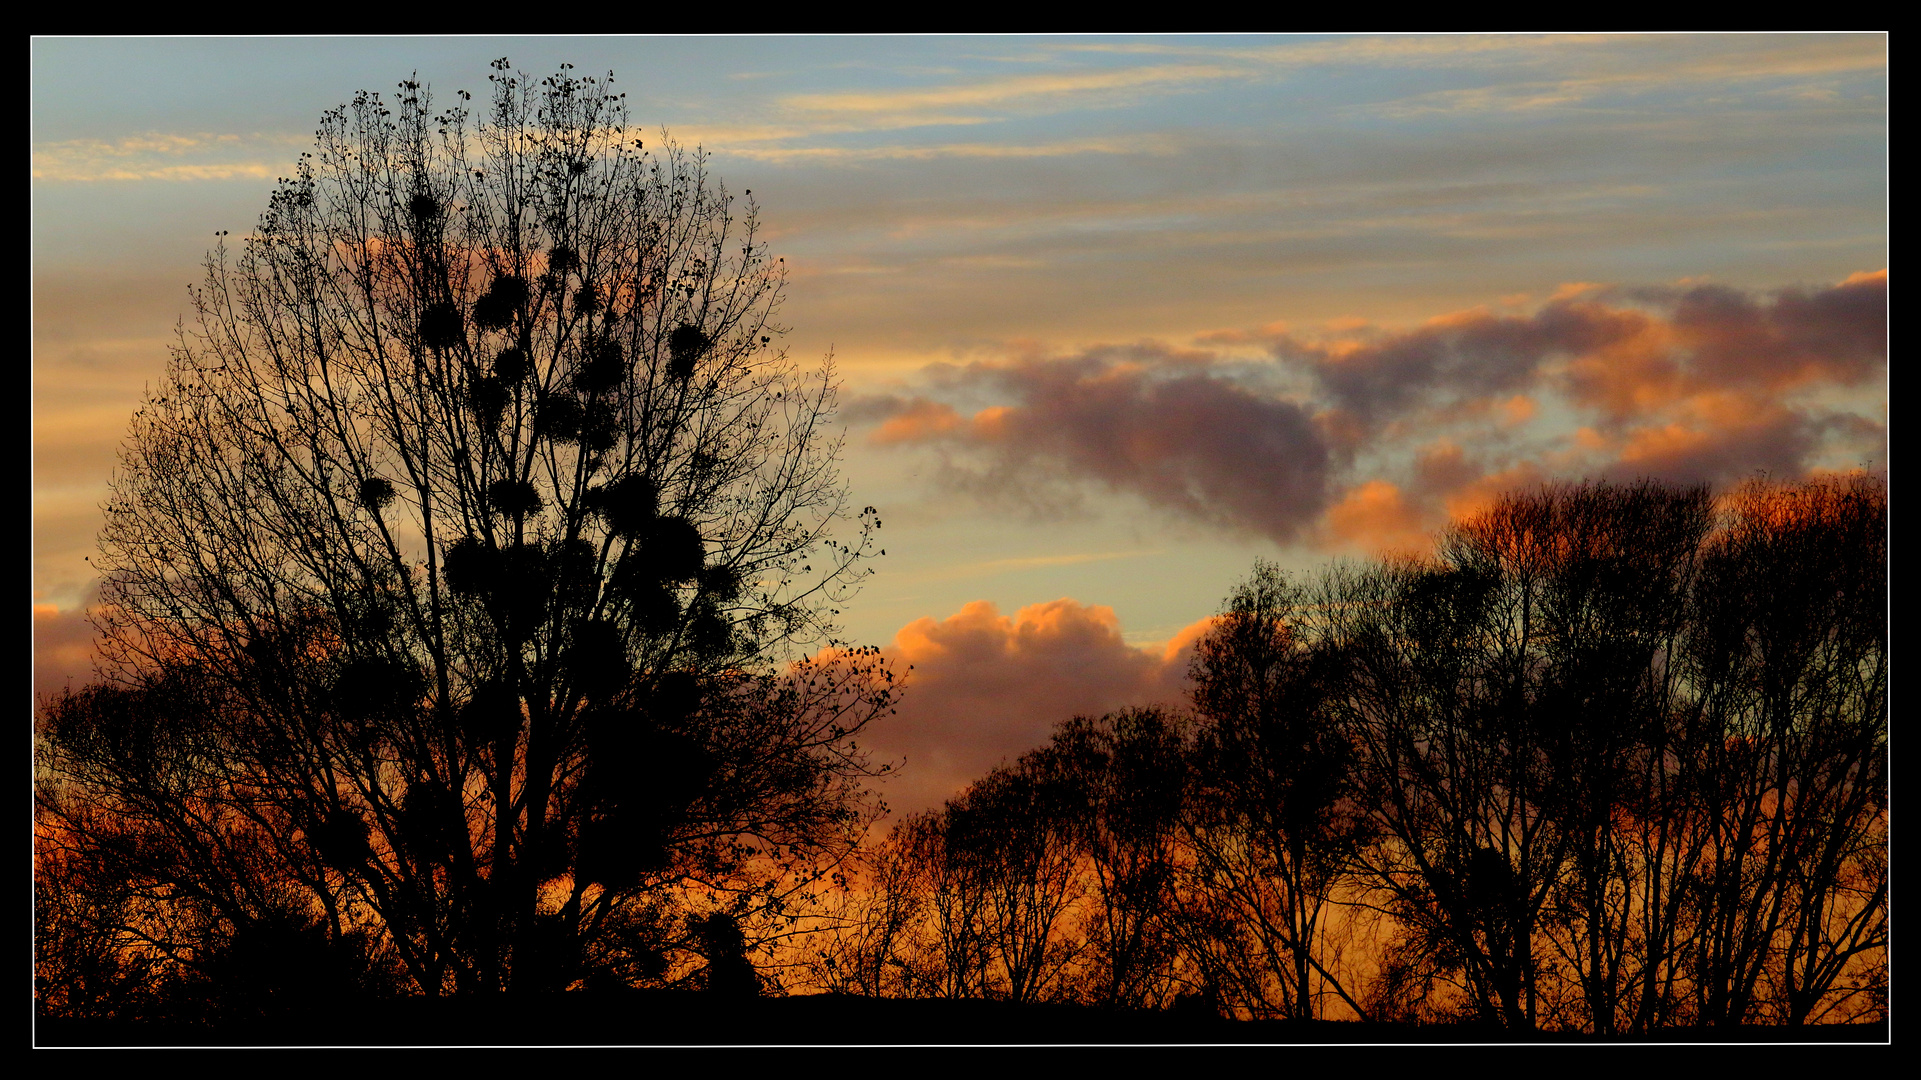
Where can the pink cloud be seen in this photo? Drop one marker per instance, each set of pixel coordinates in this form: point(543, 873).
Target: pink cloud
point(986, 687)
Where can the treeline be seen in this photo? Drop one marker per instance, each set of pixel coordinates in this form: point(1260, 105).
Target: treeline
point(1612, 760)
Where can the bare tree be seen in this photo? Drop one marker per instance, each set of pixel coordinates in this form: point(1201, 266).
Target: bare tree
point(1790, 661)
point(1269, 819)
point(1495, 695)
point(1126, 774)
point(1625, 753)
point(482, 494)
point(866, 928)
point(1012, 831)
point(947, 951)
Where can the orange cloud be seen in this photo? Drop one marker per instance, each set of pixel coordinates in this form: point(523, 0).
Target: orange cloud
point(1634, 372)
point(1475, 497)
point(985, 688)
point(921, 420)
point(1681, 382)
point(1374, 517)
point(1517, 410)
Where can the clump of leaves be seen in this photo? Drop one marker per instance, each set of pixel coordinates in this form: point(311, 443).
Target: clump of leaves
point(602, 368)
point(495, 310)
point(629, 505)
point(675, 549)
point(510, 367)
point(720, 582)
point(559, 418)
point(487, 395)
point(423, 208)
point(341, 838)
point(469, 565)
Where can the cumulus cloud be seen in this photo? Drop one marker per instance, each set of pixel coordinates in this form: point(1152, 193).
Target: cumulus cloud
point(1687, 384)
point(1796, 337)
point(1718, 437)
point(1621, 352)
point(986, 688)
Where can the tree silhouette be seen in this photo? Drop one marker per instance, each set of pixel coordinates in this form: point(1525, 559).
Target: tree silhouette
point(1612, 760)
point(1126, 774)
point(1625, 753)
point(1790, 658)
point(482, 512)
point(1269, 820)
point(1012, 832)
point(948, 957)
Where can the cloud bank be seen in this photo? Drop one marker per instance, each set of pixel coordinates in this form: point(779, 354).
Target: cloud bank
point(1367, 438)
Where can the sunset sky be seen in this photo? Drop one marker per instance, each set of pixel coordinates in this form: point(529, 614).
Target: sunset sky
point(1116, 316)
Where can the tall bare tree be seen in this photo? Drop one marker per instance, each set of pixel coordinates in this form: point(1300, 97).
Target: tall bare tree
point(1626, 750)
point(484, 499)
point(1126, 777)
point(1790, 657)
point(1270, 821)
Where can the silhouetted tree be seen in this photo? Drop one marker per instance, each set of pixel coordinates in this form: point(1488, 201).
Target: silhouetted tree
point(1789, 657)
point(868, 924)
point(1269, 819)
point(1617, 742)
point(1125, 774)
point(730, 974)
point(946, 955)
point(1493, 694)
point(483, 503)
point(1012, 831)
point(1617, 572)
point(161, 896)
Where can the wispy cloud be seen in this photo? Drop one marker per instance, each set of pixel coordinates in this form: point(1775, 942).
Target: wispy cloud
point(1152, 145)
point(1638, 66)
point(806, 118)
point(1033, 562)
point(981, 100)
point(167, 156)
point(1422, 49)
